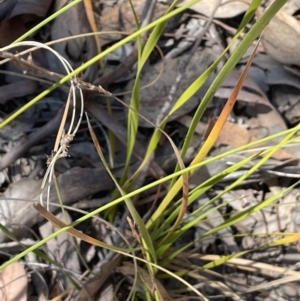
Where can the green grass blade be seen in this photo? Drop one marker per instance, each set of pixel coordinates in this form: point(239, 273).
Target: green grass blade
point(133, 117)
point(253, 33)
point(95, 59)
point(146, 239)
point(197, 84)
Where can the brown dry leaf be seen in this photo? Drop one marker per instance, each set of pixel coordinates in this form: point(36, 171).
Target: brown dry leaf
point(234, 135)
point(15, 14)
point(120, 18)
point(266, 119)
point(94, 284)
point(11, 29)
point(230, 81)
point(154, 97)
point(282, 155)
point(242, 96)
point(13, 283)
point(281, 39)
point(227, 9)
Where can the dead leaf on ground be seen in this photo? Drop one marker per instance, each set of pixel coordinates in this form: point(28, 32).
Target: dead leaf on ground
point(74, 184)
point(256, 96)
point(18, 129)
point(37, 278)
point(6, 7)
point(70, 23)
point(287, 99)
point(12, 8)
point(154, 97)
point(281, 39)
point(15, 14)
point(256, 222)
point(30, 7)
point(94, 284)
point(212, 220)
point(107, 294)
point(265, 119)
point(268, 72)
point(268, 120)
point(120, 18)
point(227, 9)
point(234, 135)
point(11, 29)
point(62, 249)
point(19, 89)
point(13, 283)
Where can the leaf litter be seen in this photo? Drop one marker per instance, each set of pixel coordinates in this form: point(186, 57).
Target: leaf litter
point(268, 103)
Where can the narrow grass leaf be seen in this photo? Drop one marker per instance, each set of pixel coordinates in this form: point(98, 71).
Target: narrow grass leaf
point(95, 59)
point(133, 117)
point(253, 33)
point(138, 220)
point(126, 253)
point(71, 230)
point(143, 55)
point(156, 34)
point(222, 260)
point(195, 194)
point(213, 135)
point(242, 215)
point(197, 84)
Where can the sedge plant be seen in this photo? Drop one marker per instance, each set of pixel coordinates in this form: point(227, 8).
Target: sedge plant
point(151, 246)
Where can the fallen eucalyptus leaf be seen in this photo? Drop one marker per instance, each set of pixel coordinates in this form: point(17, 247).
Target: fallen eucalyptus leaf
point(154, 97)
point(13, 283)
point(227, 9)
point(281, 39)
point(62, 249)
